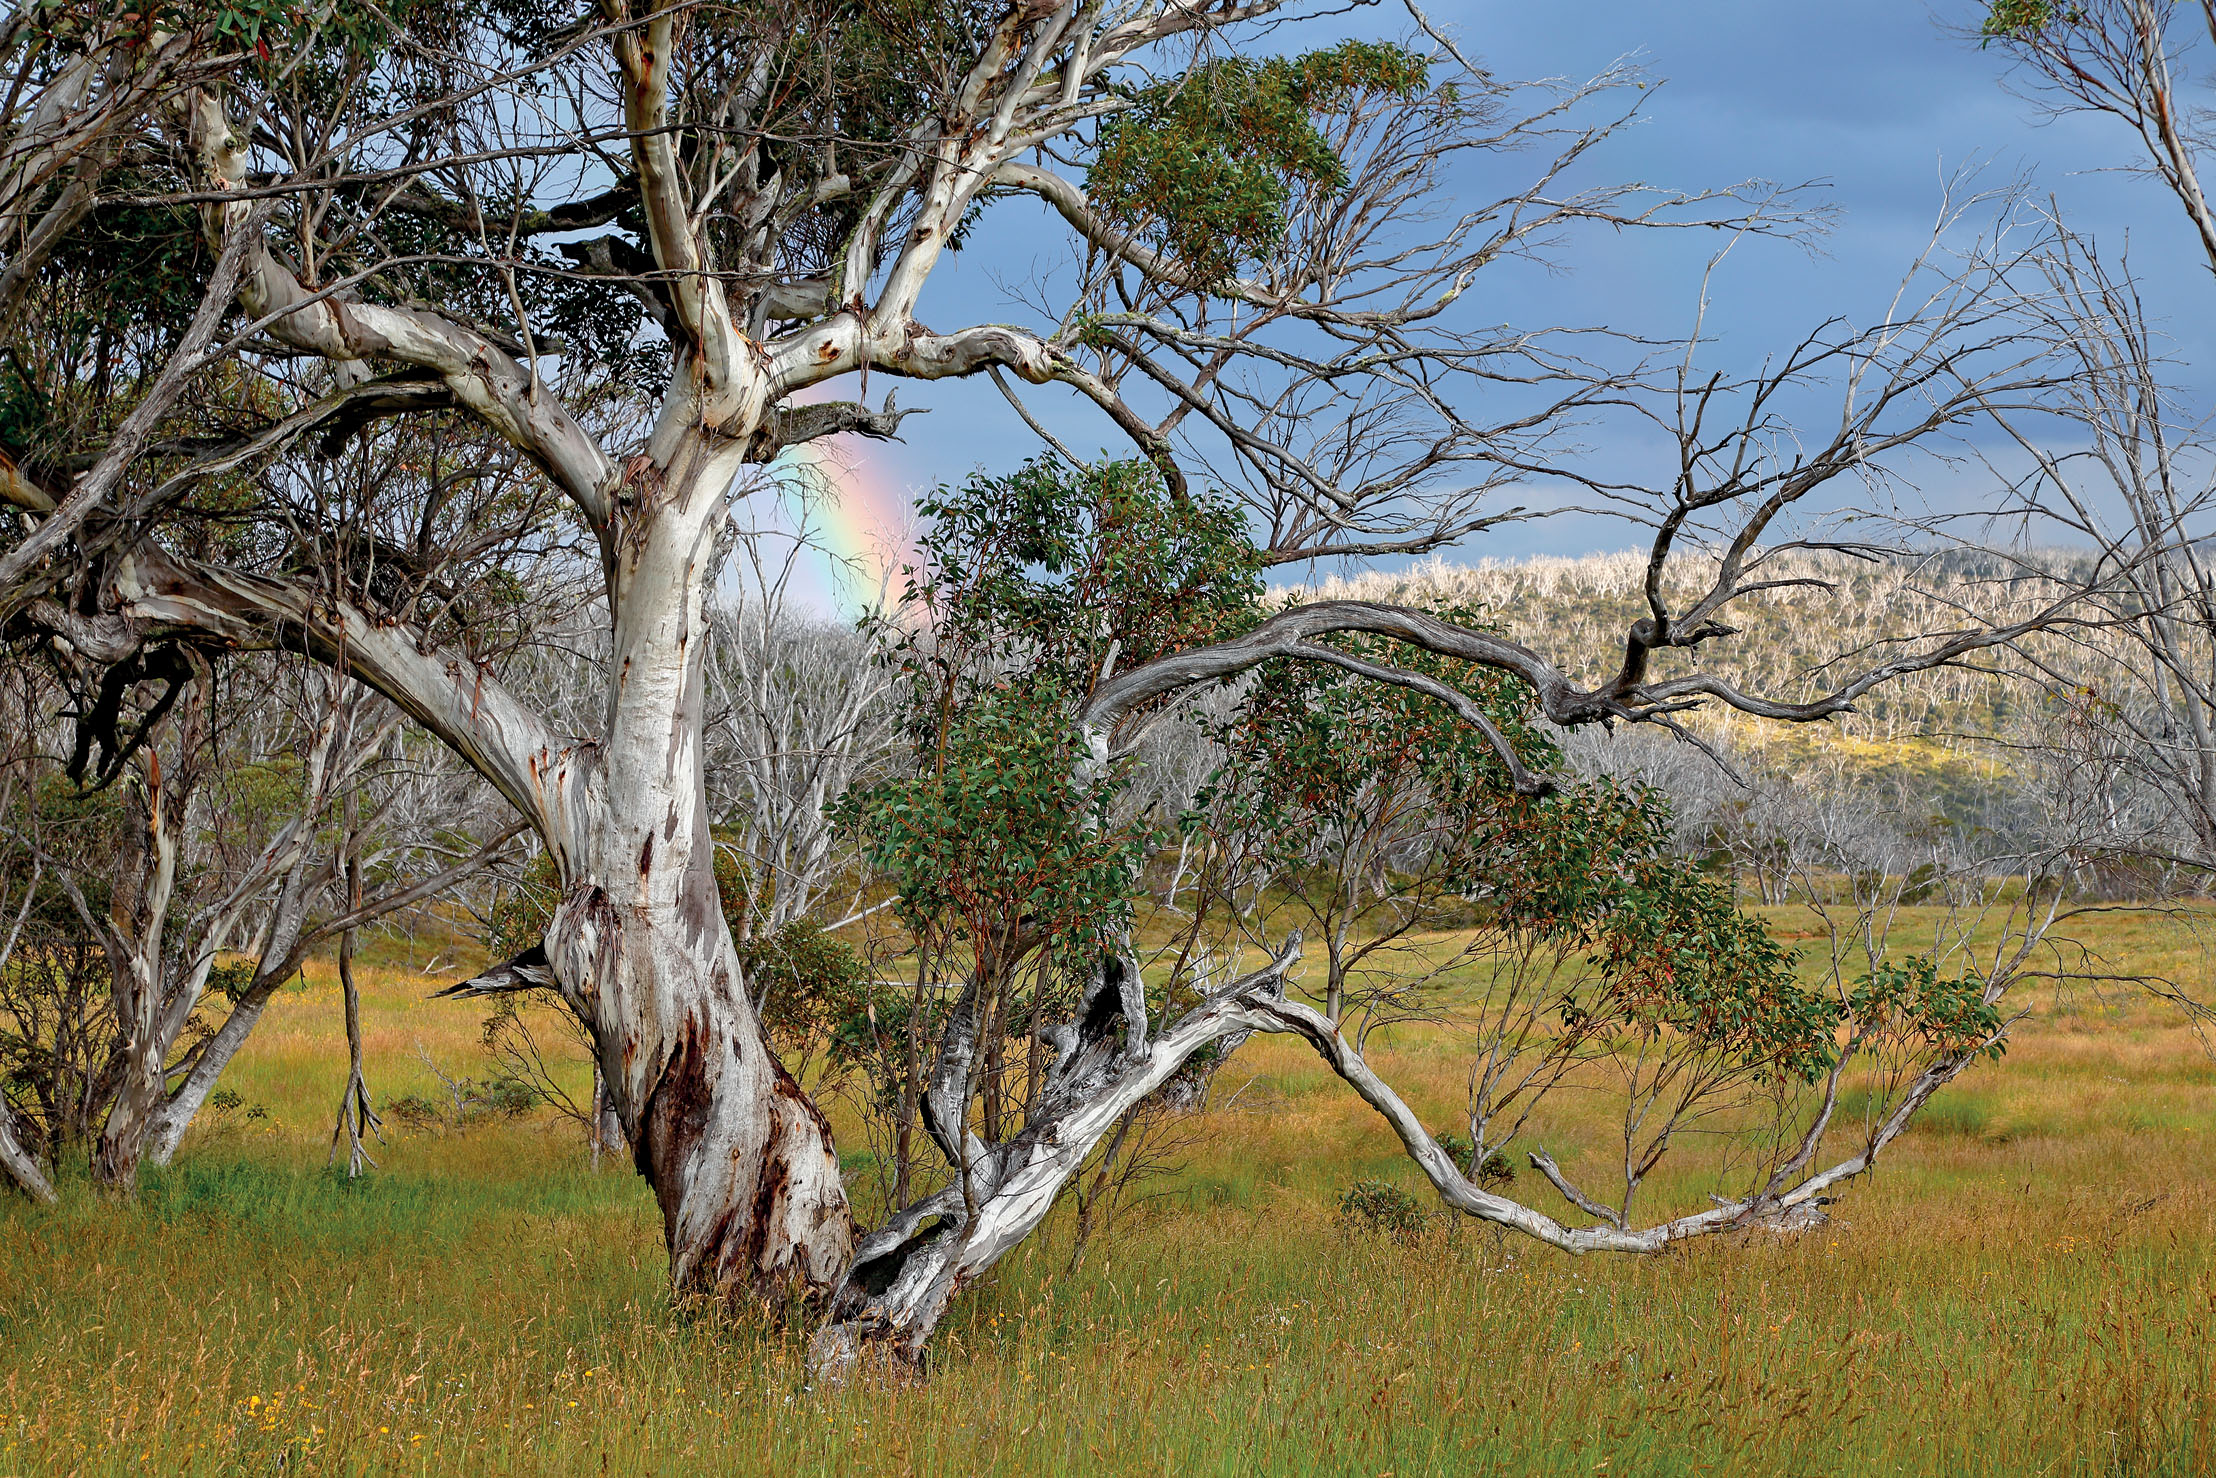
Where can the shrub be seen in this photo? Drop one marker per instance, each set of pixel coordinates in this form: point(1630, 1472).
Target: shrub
point(508, 1096)
point(1380, 1208)
point(1498, 1169)
point(466, 1102)
point(415, 1111)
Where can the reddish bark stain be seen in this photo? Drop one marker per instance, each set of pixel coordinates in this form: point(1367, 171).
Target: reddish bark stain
point(753, 1251)
point(674, 1118)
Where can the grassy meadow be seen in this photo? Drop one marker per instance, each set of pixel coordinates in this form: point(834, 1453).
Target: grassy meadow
point(2027, 1285)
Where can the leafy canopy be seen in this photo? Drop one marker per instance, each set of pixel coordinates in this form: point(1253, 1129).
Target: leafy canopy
point(1044, 569)
point(1031, 584)
point(1206, 167)
point(1320, 764)
point(2023, 20)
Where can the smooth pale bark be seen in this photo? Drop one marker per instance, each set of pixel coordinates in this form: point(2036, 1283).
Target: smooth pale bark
point(139, 1096)
point(142, 1103)
point(67, 133)
point(148, 1012)
point(905, 1274)
point(742, 1164)
point(196, 349)
point(157, 989)
point(17, 1162)
point(168, 1123)
point(1292, 634)
point(284, 945)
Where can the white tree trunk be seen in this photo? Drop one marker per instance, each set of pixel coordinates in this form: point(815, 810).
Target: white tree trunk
point(740, 1160)
point(166, 1129)
point(147, 1015)
point(357, 1120)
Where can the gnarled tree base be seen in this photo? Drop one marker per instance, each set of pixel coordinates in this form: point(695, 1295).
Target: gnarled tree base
point(906, 1273)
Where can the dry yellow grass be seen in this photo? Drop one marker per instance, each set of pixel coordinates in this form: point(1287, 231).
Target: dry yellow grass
point(2028, 1285)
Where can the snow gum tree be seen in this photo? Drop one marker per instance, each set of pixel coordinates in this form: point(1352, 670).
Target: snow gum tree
point(1367, 791)
point(631, 250)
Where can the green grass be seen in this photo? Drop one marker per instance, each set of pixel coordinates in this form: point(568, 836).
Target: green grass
point(2028, 1285)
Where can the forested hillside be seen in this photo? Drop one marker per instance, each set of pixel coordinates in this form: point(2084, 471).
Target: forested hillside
point(1968, 760)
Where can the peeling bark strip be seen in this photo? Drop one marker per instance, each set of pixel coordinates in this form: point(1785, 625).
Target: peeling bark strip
point(751, 1201)
point(742, 1164)
point(671, 1127)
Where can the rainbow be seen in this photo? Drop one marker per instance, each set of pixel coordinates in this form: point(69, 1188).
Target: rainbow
point(839, 519)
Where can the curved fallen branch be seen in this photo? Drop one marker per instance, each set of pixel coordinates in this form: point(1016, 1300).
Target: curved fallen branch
point(1780, 1196)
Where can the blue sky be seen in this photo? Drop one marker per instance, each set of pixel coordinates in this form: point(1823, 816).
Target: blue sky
point(1875, 102)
